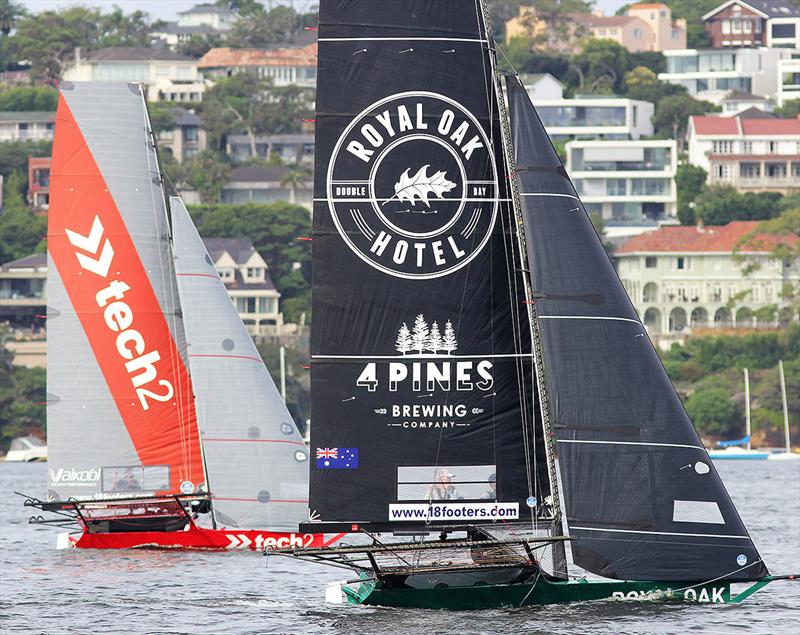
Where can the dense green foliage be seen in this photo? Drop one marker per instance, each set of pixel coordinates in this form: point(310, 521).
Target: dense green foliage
point(274, 229)
point(22, 396)
point(790, 109)
point(690, 180)
point(720, 204)
point(710, 368)
point(672, 116)
point(22, 98)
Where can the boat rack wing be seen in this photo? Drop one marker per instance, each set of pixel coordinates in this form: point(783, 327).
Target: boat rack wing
point(138, 507)
point(426, 556)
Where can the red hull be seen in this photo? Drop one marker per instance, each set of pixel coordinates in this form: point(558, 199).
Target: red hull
point(195, 537)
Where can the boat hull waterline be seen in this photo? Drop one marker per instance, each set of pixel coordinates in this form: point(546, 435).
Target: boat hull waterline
point(193, 538)
point(544, 591)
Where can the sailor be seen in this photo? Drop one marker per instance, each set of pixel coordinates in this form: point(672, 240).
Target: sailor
point(442, 489)
point(127, 483)
point(491, 493)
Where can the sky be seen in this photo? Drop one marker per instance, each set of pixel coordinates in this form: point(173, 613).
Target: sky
point(168, 9)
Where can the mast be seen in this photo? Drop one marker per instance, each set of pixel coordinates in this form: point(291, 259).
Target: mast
point(787, 438)
point(747, 406)
point(559, 559)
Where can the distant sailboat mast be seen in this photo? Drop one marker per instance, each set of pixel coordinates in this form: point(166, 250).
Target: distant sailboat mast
point(788, 440)
point(747, 406)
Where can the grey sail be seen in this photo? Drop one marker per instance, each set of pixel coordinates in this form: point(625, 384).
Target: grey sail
point(121, 420)
point(256, 461)
point(643, 500)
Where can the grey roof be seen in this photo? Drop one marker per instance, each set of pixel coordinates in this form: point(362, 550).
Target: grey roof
point(532, 78)
point(271, 138)
point(775, 8)
point(258, 173)
point(240, 249)
point(136, 53)
point(756, 113)
point(738, 95)
point(239, 283)
point(207, 8)
point(34, 260)
point(28, 116)
point(184, 117)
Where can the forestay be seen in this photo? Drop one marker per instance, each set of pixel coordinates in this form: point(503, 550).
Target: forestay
point(121, 419)
point(643, 500)
point(256, 461)
point(424, 408)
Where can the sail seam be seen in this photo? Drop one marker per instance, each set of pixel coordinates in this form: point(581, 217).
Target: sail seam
point(255, 359)
point(400, 39)
point(257, 441)
point(589, 317)
point(662, 533)
point(665, 445)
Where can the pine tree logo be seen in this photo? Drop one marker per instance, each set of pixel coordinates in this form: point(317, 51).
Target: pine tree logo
point(422, 339)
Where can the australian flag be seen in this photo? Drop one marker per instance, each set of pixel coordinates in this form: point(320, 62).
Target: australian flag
point(337, 458)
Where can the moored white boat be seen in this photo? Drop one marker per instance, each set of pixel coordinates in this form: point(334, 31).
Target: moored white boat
point(27, 449)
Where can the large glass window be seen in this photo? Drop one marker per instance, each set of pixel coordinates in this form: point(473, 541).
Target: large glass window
point(616, 187)
point(121, 72)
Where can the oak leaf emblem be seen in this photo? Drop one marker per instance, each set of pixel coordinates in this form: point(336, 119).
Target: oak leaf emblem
point(421, 186)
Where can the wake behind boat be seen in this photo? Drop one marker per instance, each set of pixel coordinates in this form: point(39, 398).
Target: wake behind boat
point(164, 426)
point(481, 383)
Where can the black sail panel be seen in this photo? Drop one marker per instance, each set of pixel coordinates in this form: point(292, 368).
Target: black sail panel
point(420, 386)
point(643, 500)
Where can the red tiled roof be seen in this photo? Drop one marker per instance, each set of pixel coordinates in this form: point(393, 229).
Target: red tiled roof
point(771, 126)
point(225, 57)
point(677, 239)
point(644, 5)
point(704, 125)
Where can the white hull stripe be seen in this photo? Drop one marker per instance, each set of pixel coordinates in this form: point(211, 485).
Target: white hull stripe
point(400, 358)
point(548, 194)
point(657, 445)
point(661, 533)
point(588, 317)
point(398, 39)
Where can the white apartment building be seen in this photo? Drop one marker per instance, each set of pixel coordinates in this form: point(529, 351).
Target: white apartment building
point(753, 155)
point(626, 182)
point(596, 118)
point(541, 86)
point(211, 15)
point(682, 278)
point(168, 76)
point(26, 126)
point(711, 74)
point(788, 79)
point(289, 148)
point(249, 285)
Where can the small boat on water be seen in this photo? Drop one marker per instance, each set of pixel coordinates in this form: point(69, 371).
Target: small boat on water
point(27, 449)
point(165, 428)
point(482, 387)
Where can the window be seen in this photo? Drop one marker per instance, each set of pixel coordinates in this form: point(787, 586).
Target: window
point(682, 297)
point(190, 133)
point(756, 291)
point(616, 187)
point(716, 293)
point(637, 33)
point(650, 262)
point(772, 147)
point(694, 294)
point(722, 147)
point(749, 170)
point(768, 292)
point(226, 274)
point(747, 147)
point(680, 263)
point(255, 273)
point(726, 26)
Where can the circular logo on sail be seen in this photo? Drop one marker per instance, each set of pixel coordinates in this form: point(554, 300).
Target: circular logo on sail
point(412, 185)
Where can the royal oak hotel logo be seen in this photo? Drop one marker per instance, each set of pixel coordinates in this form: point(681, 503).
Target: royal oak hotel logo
point(412, 185)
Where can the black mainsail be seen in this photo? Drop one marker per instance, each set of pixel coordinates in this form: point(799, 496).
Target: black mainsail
point(643, 500)
point(425, 410)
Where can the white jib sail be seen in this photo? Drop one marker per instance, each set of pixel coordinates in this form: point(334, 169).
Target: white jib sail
point(256, 461)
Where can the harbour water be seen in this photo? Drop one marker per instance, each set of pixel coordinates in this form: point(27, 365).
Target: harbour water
point(80, 591)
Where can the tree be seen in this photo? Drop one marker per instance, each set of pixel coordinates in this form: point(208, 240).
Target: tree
point(28, 98)
point(242, 7)
point(790, 109)
point(449, 342)
point(208, 172)
point(199, 44)
point(162, 116)
point(652, 60)
point(10, 12)
point(689, 183)
point(265, 29)
point(557, 16)
point(601, 66)
point(403, 343)
point(713, 411)
point(419, 333)
point(672, 116)
point(720, 204)
point(693, 11)
point(435, 342)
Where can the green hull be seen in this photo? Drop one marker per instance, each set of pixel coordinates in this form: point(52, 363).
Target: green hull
point(542, 592)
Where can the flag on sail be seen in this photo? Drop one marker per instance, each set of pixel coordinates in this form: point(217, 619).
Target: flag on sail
point(337, 458)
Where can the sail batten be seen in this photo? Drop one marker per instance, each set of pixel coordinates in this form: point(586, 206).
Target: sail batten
point(642, 498)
